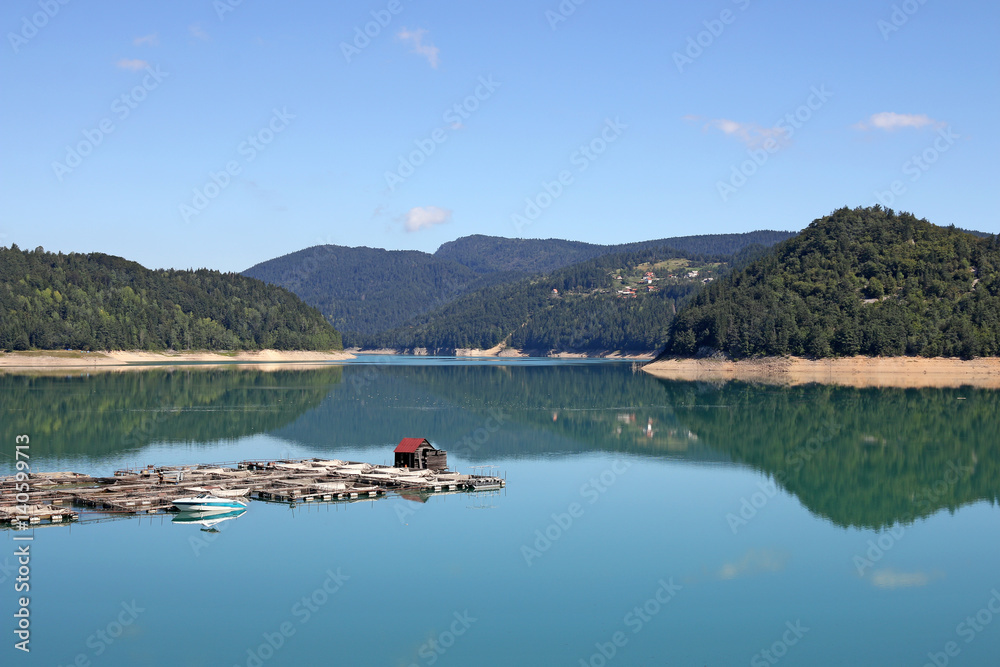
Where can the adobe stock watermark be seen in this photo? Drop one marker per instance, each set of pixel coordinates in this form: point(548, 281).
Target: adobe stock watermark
point(697, 44)
point(635, 620)
point(247, 150)
point(562, 12)
point(453, 117)
point(757, 156)
point(223, 7)
point(104, 637)
point(899, 17)
point(465, 446)
point(918, 165)
point(303, 611)
point(121, 108)
point(591, 491)
point(472, 442)
point(432, 650)
point(926, 499)
point(37, 21)
point(204, 540)
point(967, 630)
point(779, 649)
point(794, 460)
point(363, 35)
point(364, 377)
point(584, 156)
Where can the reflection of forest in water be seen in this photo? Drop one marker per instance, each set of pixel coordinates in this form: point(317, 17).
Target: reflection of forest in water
point(95, 415)
point(861, 457)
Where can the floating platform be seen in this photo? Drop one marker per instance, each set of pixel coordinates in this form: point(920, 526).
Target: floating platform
point(15, 515)
point(153, 489)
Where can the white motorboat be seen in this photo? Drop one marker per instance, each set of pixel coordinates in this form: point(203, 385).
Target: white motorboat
point(206, 502)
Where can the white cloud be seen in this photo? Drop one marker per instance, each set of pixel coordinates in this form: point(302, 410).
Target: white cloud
point(751, 134)
point(148, 40)
point(416, 38)
point(133, 64)
point(890, 121)
point(197, 31)
point(890, 578)
point(425, 217)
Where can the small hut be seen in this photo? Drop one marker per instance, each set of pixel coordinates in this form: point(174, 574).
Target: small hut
point(420, 454)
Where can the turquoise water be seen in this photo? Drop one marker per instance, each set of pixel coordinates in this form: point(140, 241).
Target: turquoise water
point(645, 522)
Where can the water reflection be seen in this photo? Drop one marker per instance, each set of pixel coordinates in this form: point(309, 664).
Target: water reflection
point(208, 520)
point(866, 458)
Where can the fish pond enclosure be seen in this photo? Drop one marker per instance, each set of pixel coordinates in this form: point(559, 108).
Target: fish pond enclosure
point(50, 496)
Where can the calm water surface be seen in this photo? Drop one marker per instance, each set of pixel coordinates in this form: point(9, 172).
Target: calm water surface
point(645, 522)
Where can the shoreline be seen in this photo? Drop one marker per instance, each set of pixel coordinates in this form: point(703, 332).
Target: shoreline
point(901, 372)
point(41, 359)
point(505, 352)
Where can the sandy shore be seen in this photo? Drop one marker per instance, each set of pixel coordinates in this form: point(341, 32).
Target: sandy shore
point(851, 371)
point(76, 359)
point(500, 351)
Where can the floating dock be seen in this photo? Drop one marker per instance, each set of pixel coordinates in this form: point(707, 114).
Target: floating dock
point(153, 489)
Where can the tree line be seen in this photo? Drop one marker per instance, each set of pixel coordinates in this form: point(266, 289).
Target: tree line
point(101, 302)
point(862, 281)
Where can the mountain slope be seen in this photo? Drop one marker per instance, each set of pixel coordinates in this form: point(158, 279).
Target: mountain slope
point(488, 254)
point(862, 281)
point(101, 302)
point(579, 308)
point(367, 290)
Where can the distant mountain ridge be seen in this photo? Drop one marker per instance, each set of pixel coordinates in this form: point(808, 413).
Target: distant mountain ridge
point(365, 290)
point(488, 254)
point(368, 291)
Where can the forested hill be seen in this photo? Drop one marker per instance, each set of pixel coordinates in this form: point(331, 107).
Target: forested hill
point(606, 303)
point(488, 254)
point(365, 292)
point(862, 281)
point(101, 302)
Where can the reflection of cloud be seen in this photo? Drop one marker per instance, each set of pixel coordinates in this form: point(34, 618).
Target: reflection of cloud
point(889, 121)
point(754, 561)
point(416, 38)
point(889, 578)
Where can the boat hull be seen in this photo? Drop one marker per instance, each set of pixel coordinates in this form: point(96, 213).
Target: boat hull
point(209, 504)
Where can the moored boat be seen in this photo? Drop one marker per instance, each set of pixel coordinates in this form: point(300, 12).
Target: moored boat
point(207, 502)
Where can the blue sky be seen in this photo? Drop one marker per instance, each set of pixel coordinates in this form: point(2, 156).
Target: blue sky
point(220, 134)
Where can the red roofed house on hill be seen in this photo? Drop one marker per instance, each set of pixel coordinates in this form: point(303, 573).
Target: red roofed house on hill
point(420, 454)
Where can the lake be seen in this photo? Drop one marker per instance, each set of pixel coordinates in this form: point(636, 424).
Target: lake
point(644, 522)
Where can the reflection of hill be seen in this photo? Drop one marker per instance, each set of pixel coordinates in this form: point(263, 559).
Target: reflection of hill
point(859, 457)
point(545, 410)
point(106, 413)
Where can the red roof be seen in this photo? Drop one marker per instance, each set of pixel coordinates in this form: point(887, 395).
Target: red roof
point(409, 445)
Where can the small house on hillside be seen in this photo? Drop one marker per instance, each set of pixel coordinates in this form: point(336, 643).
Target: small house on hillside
point(420, 454)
